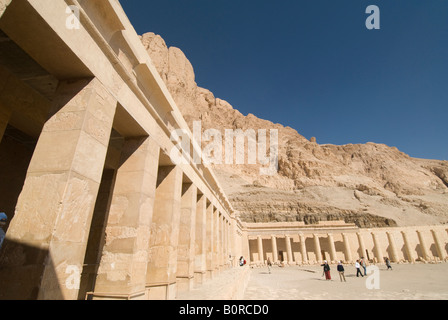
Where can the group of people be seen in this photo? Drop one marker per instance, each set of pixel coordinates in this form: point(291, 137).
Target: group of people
point(360, 263)
point(341, 270)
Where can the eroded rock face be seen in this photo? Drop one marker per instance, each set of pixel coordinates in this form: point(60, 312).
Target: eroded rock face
point(369, 184)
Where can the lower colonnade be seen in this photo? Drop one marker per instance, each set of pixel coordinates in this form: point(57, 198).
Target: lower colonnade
point(333, 241)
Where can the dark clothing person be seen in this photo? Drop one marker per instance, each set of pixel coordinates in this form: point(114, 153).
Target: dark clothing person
point(358, 269)
point(326, 270)
point(341, 270)
point(388, 264)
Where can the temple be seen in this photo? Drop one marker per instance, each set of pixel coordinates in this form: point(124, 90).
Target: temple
point(97, 209)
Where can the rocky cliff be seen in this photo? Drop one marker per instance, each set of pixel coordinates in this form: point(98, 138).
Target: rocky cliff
point(370, 184)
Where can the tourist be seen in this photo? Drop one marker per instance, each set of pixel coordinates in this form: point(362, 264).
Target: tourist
point(363, 265)
point(326, 270)
point(3, 219)
point(269, 263)
point(242, 261)
point(358, 269)
point(341, 271)
point(388, 263)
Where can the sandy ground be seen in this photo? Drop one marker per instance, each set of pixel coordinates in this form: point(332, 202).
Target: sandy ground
point(405, 281)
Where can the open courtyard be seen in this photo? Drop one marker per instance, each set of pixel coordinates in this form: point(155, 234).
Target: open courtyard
point(404, 282)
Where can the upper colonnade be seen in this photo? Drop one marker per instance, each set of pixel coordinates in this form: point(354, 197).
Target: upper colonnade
point(97, 208)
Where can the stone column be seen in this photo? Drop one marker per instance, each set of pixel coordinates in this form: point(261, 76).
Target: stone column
point(333, 256)
point(288, 249)
point(303, 248)
point(379, 252)
point(210, 242)
point(221, 241)
point(216, 248)
point(227, 242)
point(162, 264)
point(274, 249)
point(187, 228)
point(260, 250)
point(423, 245)
point(393, 247)
point(200, 265)
point(97, 231)
point(226, 239)
point(362, 246)
point(439, 245)
point(123, 266)
point(317, 249)
point(407, 246)
point(348, 251)
point(54, 210)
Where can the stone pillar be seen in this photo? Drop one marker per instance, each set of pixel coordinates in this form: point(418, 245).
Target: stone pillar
point(423, 245)
point(162, 264)
point(223, 244)
point(225, 257)
point(54, 210)
point(187, 229)
point(393, 247)
point(227, 243)
point(439, 245)
point(379, 252)
point(274, 249)
point(288, 249)
point(200, 265)
point(221, 241)
point(317, 249)
point(303, 248)
point(260, 250)
point(347, 249)
point(333, 256)
point(216, 248)
point(210, 242)
point(123, 266)
point(407, 246)
point(362, 246)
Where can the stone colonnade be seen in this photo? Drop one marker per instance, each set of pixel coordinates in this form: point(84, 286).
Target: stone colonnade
point(406, 244)
point(137, 229)
point(97, 207)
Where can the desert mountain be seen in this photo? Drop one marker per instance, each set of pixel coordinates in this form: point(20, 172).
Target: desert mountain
point(370, 184)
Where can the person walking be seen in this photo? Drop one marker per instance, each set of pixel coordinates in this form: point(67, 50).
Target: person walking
point(326, 270)
point(386, 259)
point(269, 263)
point(341, 271)
point(358, 269)
point(363, 265)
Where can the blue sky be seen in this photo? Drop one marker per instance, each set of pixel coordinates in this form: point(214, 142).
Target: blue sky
point(314, 66)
